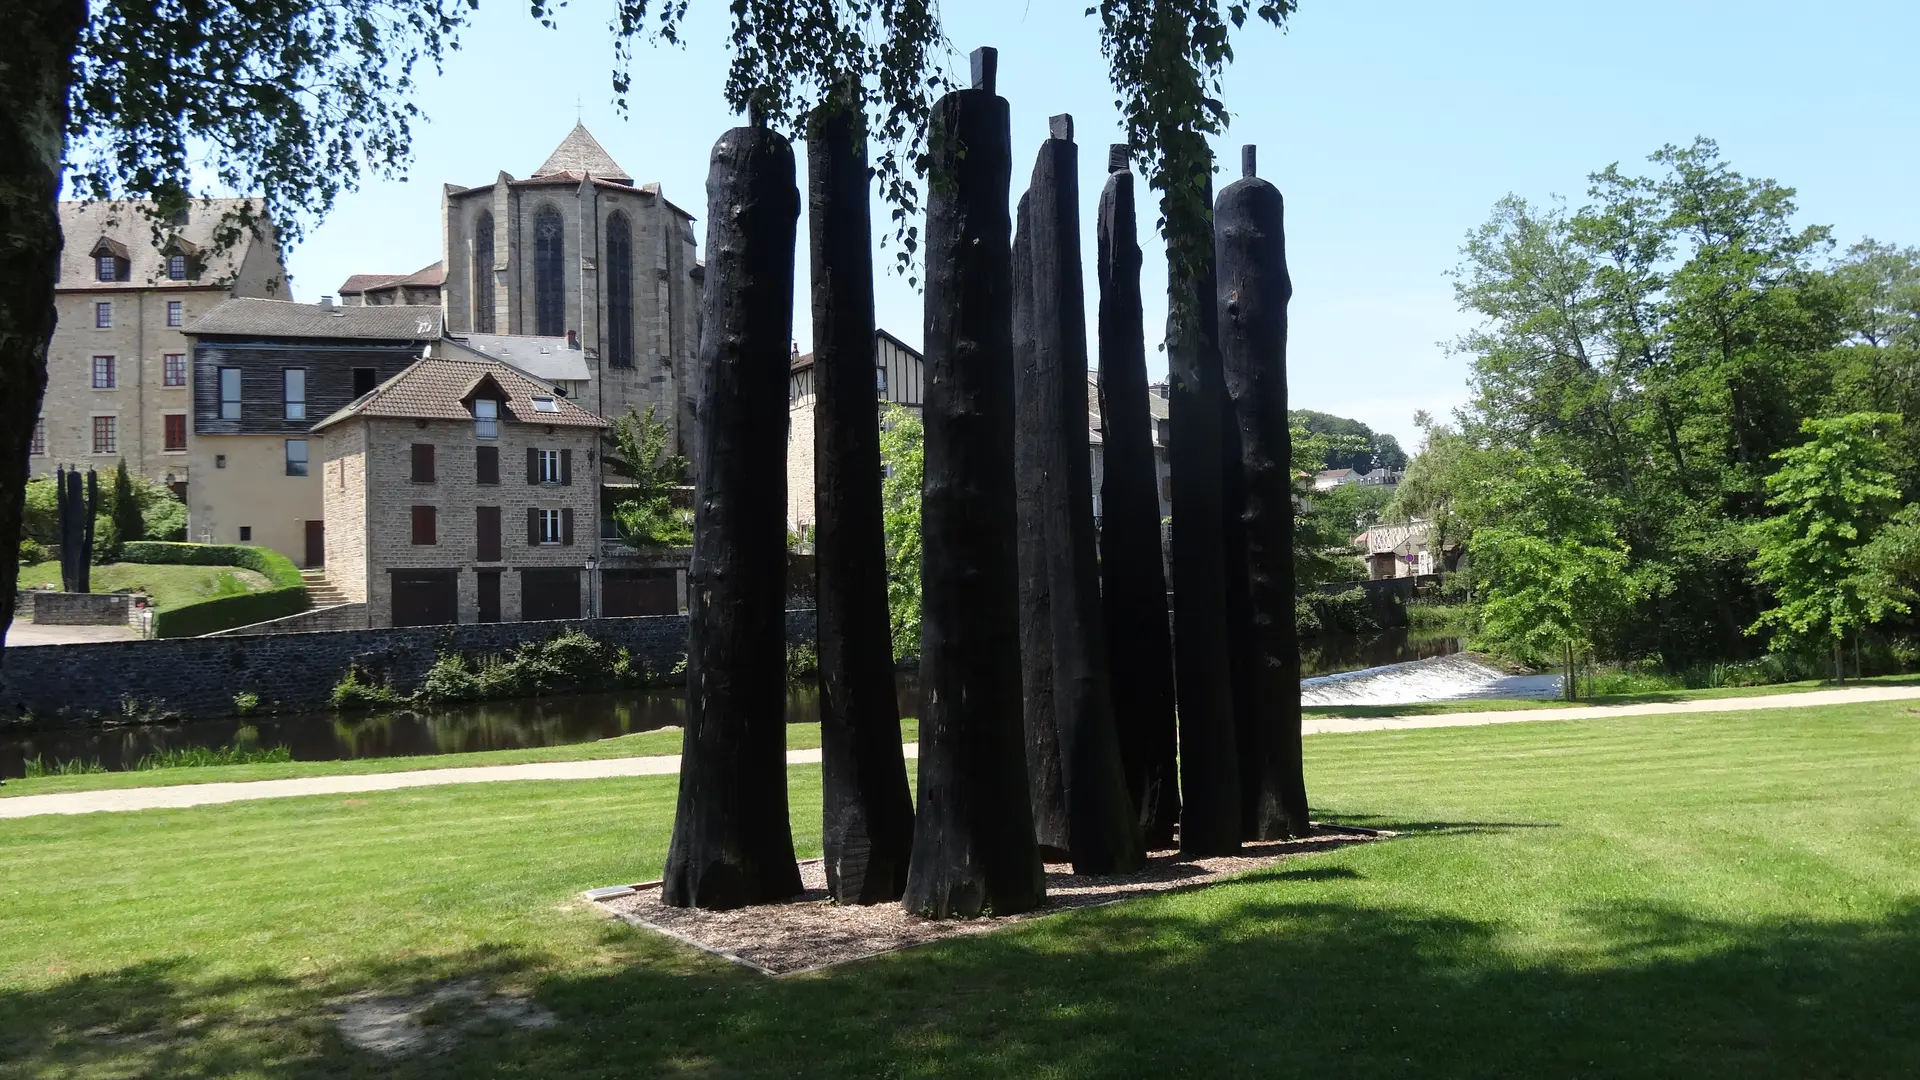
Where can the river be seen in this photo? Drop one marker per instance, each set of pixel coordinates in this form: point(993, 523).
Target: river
point(529, 722)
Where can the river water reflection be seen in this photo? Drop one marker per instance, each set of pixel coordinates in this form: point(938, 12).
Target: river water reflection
point(507, 725)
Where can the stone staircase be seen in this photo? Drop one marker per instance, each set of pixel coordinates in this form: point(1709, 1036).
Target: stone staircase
point(321, 592)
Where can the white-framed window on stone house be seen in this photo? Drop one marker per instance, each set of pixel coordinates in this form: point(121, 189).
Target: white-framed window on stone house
point(550, 467)
point(296, 457)
point(229, 393)
point(106, 435)
point(549, 526)
point(177, 267)
point(106, 268)
point(486, 418)
point(39, 444)
point(294, 392)
point(103, 314)
point(173, 369)
point(103, 373)
point(176, 313)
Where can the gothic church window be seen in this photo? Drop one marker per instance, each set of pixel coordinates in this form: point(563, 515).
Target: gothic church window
point(549, 273)
point(619, 291)
point(483, 273)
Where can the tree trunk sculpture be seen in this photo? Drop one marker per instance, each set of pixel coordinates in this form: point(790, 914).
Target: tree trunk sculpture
point(732, 844)
point(1050, 822)
point(1133, 579)
point(973, 848)
point(1103, 827)
point(1253, 293)
point(1241, 650)
point(1209, 762)
point(867, 810)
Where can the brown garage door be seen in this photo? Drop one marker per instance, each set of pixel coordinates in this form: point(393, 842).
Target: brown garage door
point(549, 594)
point(426, 597)
point(638, 592)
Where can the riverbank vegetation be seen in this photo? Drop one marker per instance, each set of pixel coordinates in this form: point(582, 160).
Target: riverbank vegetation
point(1564, 898)
point(573, 661)
point(1685, 449)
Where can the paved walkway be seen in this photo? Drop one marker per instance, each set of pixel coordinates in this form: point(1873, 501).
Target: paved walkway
point(22, 634)
point(155, 798)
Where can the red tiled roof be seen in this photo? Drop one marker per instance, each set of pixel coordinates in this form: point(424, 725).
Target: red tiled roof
point(435, 390)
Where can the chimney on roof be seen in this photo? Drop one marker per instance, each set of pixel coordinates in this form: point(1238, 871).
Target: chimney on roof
point(326, 303)
point(573, 339)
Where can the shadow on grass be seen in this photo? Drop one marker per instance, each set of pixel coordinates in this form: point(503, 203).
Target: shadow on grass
point(1242, 984)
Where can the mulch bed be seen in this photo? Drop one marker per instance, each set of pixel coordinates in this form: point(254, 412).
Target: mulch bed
point(811, 932)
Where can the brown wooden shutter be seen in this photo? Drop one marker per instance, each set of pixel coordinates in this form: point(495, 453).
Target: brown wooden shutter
point(566, 526)
point(486, 464)
point(423, 462)
point(486, 523)
point(423, 525)
point(533, 465)
point(533, 526)
point(566, 467)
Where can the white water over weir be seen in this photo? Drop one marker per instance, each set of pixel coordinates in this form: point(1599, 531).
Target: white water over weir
point(1442, 678)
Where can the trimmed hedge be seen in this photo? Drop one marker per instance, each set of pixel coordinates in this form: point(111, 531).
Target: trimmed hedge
point(287, 597)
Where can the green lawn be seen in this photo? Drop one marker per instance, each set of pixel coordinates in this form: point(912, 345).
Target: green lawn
point(1727, 895)
point(170, 586)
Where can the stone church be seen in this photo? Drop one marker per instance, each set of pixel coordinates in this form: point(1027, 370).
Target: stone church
point(577, 255)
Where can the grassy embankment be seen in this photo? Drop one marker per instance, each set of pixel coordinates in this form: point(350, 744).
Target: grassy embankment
point(1714, 896)
point(171, 586)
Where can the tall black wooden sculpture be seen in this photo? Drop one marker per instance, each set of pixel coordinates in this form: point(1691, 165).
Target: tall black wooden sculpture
point(1133, 581)
point(867, 810)
point(1209, 762)
point(1241, 664)
point(1049, 796)
point(731, 841)
point(1103, 827)
point(973, 845)
point(1253, 293)
point(74, 511)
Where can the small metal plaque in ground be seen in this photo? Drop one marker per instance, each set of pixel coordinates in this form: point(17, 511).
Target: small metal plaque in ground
point(808, 932)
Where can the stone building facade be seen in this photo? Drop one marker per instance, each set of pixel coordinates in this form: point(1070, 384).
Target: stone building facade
point(119, 378)
point(577, 252)
point(899, 378)
point(462, 491)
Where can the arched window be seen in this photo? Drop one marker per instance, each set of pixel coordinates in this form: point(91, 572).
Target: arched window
point(483, 273)
point(549, 273)
point(619, 291)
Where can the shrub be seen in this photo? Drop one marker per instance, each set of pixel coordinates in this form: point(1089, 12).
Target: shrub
point(32, 552)
point(449, 680)
point(353, 692)
point(287, 597)
point(573, 656)
point(1346, 612)
point(803, 661)
point(245, 702)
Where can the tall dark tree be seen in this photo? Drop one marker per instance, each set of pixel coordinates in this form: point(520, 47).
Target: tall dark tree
point(732, 845)
point(128, 526)
point(1253, 294)
point(867, 810)
point(1132, 575)
point(1048, 790)
point(973, 847)
point(1103, 827)
point(1241, 662)
point(1209, 761)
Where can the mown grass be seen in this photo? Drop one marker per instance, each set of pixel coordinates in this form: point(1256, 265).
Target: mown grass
point(639, 744)
point(170, 586)
point(1725, 895)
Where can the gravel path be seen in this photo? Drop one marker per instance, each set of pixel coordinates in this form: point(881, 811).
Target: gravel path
point(155, 798)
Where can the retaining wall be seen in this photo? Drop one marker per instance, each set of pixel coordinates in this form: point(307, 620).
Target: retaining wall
point(80, 609)
point(198, 677)
point(331, 617)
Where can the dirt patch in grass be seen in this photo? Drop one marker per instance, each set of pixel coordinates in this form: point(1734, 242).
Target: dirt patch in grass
point(396, 1027)
point(811, 932)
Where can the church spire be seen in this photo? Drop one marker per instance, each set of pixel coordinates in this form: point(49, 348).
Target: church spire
point(581, 153)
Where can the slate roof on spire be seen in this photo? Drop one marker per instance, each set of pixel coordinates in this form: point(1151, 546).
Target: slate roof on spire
point(579, 153)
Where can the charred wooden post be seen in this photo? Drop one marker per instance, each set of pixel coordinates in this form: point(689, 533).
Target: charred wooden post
point(1133, 580)
point(1254, 288)
point(973, 847)
point(1209, 760)
point(1103, 827)
point(732, 845)
point(1048, 792)
point(1240, 634)
point(866, 808)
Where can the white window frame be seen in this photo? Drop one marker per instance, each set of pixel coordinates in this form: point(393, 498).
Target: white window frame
point(549, 527)
point(112, 370)
point(167, 368)
point(176, 313)
point(179, 262)
point(103, 315)
point(486, 418)
point(550, 467)
point(108, 263)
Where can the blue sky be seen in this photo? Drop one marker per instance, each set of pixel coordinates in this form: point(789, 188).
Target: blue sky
point(1391, 125)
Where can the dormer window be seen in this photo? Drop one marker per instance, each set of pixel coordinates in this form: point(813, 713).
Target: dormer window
point(107, 268)
point(545, 404)
point(176, 267)
point(486, 418)
point(111, 261)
